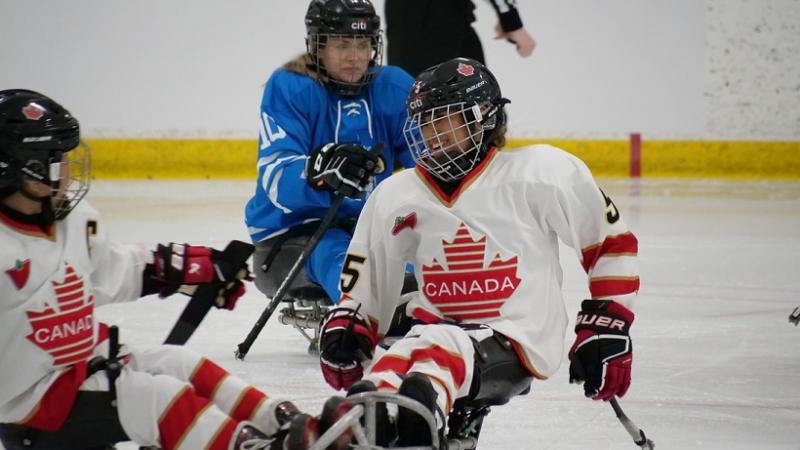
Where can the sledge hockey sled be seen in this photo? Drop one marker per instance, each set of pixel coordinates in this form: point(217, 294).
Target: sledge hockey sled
point(360, 421)
point(304, 308)
point(502, 378)
point(92, 425)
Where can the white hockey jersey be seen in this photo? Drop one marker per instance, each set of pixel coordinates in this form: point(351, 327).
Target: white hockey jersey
point(49, 286)
point(488, 253)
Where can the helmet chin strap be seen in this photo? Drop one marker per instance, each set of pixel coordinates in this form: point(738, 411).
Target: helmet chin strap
point(48, 214)
point(46, 201)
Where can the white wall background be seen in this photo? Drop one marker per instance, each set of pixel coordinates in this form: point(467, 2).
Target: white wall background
point(719, 69)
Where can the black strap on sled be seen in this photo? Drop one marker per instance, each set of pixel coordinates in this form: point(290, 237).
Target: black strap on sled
point(111, 365)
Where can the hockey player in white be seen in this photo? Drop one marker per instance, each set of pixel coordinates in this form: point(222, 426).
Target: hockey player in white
point(481, 227)
point(57, 265)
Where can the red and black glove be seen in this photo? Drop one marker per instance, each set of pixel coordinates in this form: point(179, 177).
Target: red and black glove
point(345, 342)
point(182, 267)
point(602, 354)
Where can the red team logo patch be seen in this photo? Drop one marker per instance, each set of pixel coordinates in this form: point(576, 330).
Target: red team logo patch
point(33, 111)
point(19, 273)
point(409, 221)
point(66, 332)
point(465, 288)
point(465, 69)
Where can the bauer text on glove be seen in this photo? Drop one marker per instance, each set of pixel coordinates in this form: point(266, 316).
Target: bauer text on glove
point(602, 354)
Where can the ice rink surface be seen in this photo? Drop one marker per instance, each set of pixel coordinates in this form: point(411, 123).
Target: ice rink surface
point(716, 362)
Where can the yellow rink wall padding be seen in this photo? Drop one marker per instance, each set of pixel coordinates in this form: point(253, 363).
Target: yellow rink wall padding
point(236, 158)
point(173, 158)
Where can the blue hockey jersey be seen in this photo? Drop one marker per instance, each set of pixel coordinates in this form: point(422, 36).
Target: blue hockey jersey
point(298, 114)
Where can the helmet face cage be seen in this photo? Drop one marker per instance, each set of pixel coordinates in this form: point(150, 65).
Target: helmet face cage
point(455, 113)
point(446, 140)
point(351, 49)
point(69, 179)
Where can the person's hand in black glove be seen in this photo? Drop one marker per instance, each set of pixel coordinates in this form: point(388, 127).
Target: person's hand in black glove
point(343, 168)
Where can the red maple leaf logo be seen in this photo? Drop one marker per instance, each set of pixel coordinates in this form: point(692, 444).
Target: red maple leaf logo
point(33, 111)
point(409, 221)
point(465, 69)
point(19, 273)
point(467, 289)
point(65, 331)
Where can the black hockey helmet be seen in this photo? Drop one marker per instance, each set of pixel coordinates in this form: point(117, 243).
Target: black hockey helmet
point(455, 113)
point(35, 135)
point(343, 18)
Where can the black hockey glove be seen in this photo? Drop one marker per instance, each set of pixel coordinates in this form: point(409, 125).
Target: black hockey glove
point(182, 267)
point(602, 354)
point(343, 168)
point(346, 341)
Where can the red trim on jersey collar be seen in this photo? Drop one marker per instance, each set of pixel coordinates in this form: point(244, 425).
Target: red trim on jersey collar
point(28, 228)
point(448, 200)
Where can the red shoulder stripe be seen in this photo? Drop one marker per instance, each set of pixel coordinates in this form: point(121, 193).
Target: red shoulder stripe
point(621, 244)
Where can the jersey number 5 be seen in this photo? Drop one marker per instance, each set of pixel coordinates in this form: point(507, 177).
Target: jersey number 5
point(350, 274)
point(612, 213)
point(91, 231)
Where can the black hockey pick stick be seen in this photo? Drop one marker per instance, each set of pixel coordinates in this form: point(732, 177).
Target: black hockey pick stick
point(794, 317)
point(244, 346)
point(233, 257)
point(636, 433)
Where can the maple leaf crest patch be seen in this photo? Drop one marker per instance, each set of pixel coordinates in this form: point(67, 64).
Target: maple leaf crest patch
point(33, 111)
point(401, 222)
point(65, 330)
point(464, 287)
point(19, 273)
point(465, 69)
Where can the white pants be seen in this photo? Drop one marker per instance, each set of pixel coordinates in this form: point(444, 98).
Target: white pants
point(443, 352)
point(172, 398)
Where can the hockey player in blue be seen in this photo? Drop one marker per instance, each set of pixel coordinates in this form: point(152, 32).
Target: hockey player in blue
point(323, 111)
